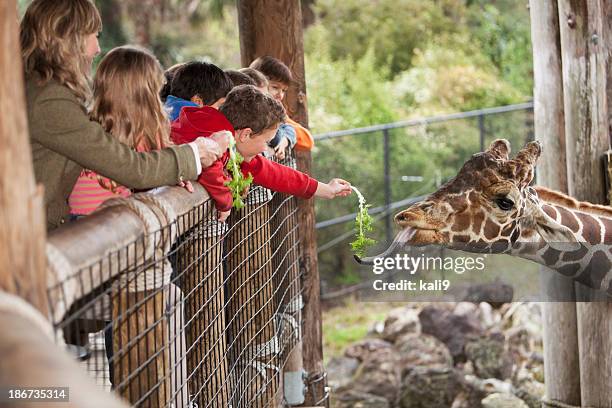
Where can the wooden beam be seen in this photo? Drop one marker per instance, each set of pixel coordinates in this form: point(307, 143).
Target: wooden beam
point(31, 359)
point(274, 27)
point(585, 54)
point(22, 220)
point(559, 318)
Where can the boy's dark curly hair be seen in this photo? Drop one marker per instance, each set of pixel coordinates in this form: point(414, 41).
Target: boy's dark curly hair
point(247, 107)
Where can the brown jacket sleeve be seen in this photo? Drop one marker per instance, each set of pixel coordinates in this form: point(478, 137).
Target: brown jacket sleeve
point(59, 123)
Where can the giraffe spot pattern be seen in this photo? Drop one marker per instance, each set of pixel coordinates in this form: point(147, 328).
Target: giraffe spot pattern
point(575, 256)
point(462, 222)
point(550, 211)
point(607, 223)
point(569, 270)
point(551, 256)
point(491, 230)
point(591, 231)
point(568, 219)
point(596, 271)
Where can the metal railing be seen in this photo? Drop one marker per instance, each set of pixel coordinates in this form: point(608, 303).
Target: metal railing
point(167, 307)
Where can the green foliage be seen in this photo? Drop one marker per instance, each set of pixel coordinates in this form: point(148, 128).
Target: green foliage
point(363, 224)
point(392, 28)
point(238, 184)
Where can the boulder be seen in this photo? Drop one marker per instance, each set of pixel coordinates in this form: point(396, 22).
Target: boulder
point(532, 393)
point(499, 400)
point(425, 387)
point(495, 293)
point(352, 398)
point(380, 374)
point(489, 357)
point(399, 322)
point(362, 349)
point(453, 329)
point(423, 350)
point(340, 371)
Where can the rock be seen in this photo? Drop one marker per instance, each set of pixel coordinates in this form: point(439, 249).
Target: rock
point(399, 322)
point(452, 329)
point(489, 357)
point(423, 350)
point(424, 387)
point(362, 349)
point(340, 371)
point(532, 393)
point(498, 400)
point(380, 374)
point(495, 293)
point(465, 308)
point(357, 399)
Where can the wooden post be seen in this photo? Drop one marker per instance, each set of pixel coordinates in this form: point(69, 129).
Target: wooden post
point(22, 220)
point(274, 27)
point(585, 53)
point(202, 283)
point(251, 308)
point(139, 334)
point(288, 282)
point(559, 318)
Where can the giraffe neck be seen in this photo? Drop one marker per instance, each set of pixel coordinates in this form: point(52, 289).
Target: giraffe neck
point(590, 263)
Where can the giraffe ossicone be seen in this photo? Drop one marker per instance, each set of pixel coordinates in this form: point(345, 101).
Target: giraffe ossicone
point(489, 206)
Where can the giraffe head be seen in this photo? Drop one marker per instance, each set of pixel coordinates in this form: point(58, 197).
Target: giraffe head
point(488, 204)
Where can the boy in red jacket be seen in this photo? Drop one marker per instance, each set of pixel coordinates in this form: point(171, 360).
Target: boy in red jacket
point(253, 118)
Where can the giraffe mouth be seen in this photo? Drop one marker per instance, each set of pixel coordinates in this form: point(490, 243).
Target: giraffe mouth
point(403, 238)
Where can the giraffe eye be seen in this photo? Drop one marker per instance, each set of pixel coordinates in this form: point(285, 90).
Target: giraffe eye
point(504, 203)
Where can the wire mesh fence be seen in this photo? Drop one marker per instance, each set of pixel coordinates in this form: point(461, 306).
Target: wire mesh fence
point(167, 307)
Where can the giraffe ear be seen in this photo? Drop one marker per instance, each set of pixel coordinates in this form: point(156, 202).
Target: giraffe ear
point(557, 236)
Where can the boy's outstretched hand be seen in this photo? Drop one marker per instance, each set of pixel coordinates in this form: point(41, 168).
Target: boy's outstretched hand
point(335, 188)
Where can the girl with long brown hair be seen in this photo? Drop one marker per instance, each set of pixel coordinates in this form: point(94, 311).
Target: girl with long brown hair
point(126, 103)
point(58, 42)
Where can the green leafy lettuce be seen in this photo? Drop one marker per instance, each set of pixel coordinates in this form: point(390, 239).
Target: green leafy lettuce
point(238, 184)
point(363, 224)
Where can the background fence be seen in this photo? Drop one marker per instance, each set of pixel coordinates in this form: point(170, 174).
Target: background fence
point(168, 307)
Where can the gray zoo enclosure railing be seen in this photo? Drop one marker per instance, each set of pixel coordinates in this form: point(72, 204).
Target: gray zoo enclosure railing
point(168, 307)
point(386, 210)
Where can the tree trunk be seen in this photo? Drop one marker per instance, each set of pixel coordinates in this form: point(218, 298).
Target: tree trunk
point(22, 221)
point(585, 52)
point(274, 28)
point(559, 318)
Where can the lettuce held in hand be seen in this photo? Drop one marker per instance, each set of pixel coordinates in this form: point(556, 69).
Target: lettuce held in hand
point(238, 184)
point(363, 224)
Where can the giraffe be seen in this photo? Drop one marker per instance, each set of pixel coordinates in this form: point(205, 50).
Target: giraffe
point(491, 207)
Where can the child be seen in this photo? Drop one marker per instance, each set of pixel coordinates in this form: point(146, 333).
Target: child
point(239, 78)
point(279, 79)
point(197, 84)
point(127, 105)
point(169, 76)
point(285, 136)
point(261, 82)
point(253, 117)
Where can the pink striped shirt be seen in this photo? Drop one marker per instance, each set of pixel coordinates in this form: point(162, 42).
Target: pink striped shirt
point(88, 194)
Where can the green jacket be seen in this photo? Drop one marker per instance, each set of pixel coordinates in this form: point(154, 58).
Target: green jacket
point(64, 141)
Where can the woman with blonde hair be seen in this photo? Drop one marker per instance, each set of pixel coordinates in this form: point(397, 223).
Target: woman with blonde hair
point(126, 103)
point(58, 42)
